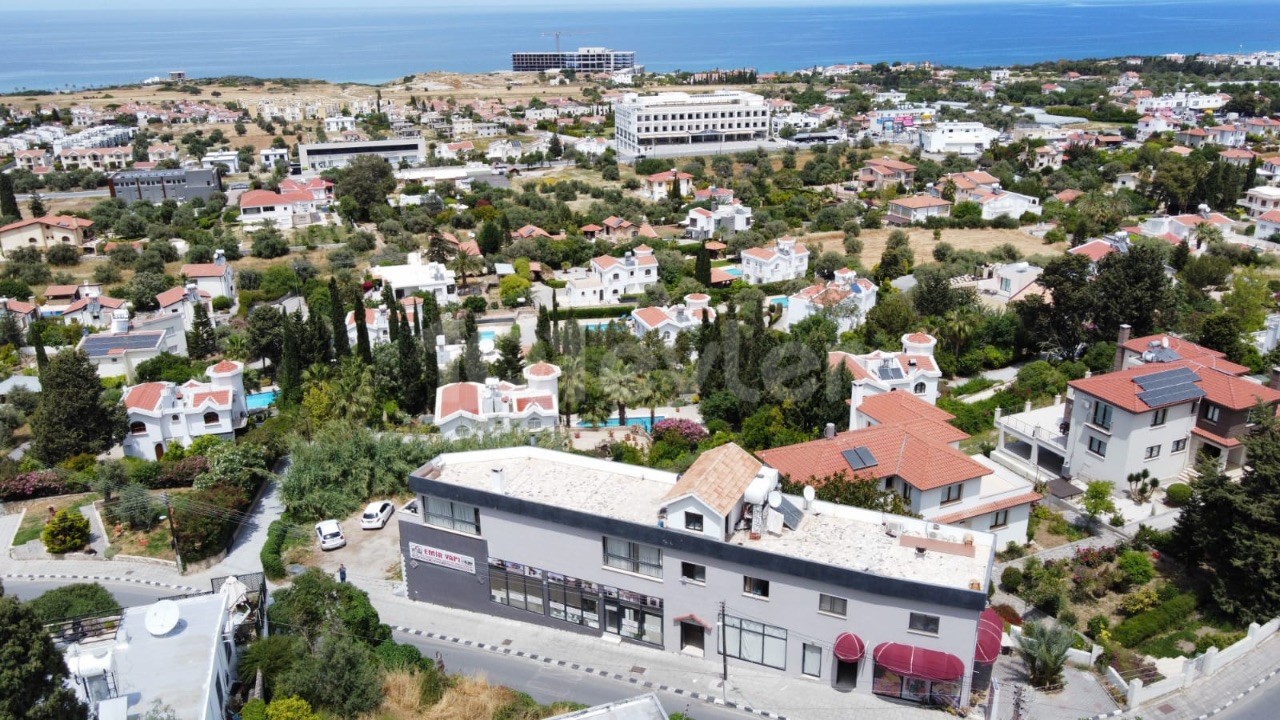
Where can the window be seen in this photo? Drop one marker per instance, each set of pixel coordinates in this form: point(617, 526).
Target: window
point(888, 483)
point(833, 605)
point(138, 428)
point(920, 388)
point(1102, 415)
point(1178, 446)
point(1158, 417)
point(514, 589)
point(633, 557)
point(1006, 284)
point(211, 418)
point(1097, 446)
point(693, 572)
point(811, 663)
point(755, 586)
point(999, 519)
point(693, 521)
point(455, 516)
point(568, 601)
point(906, 491)
point(952, 493)
point(1212, 413)
point(1153, 451)
point(755, 642)
point(922, 623)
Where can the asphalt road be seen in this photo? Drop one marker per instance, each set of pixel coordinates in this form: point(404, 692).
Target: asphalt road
point(100, 192)
point(546, 683)
point(1261, 704)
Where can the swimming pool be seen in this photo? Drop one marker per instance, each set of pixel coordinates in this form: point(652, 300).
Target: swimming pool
point(631, 420)
point(488, 334)
point(734, 271)
point(780, 301)
point(260, 400)
point(598, 326)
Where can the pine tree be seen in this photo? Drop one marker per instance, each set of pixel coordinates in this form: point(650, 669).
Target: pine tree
point(71, 418)
point(509, 363)
point(363, 349)
point(201, 340)
point(702, 267)
point(338, 321)
point(411, 388)
point(8, 201)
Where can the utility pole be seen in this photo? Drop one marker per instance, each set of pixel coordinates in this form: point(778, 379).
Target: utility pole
point(173, 530)
point(724, 657)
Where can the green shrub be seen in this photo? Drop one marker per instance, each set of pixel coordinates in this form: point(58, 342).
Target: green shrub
point(1154, 621)
point(222, 303)
point(612, 312)
point(66, 532)
point(1011, 579)
point(1136, 566)
point(73, 601)
point(272, 564)
point(1218, 640)
point(1068, 618)
point(255, 709)
point(1098, 624)
point(1177, 494)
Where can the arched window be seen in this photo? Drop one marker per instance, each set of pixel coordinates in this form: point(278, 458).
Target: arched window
point(211, 418)
point(138, 428)
point(920, 388)
point(535, 423)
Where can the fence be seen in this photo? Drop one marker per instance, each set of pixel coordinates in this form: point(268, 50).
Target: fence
point(1202, 666)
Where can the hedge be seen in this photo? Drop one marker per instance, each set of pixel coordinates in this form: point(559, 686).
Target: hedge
point(1178, 494)
point(272, 564)
point(1154, 621)
point(612, 312)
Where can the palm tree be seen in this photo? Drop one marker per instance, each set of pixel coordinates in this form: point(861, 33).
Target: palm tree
point(960, 326)
point(653, 390)
point(463, 263)
point(235, 346)
point(354, 398)
point(619, 385)
point(1206, 234)
point(573, 386)
point(1044, 649)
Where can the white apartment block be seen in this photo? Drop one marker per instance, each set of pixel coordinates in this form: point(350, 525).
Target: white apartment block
point(419, 276)
point(964, 138)
point(162, 413)
point(677, 123)
point(1183, 101)
point(783, 260)
point(281, 210)
point(337, 124)
point(1261, 200)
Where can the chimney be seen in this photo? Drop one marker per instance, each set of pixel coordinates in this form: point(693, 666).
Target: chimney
point(829, 431)
point(1121, 338)
point(497, 481)
point(1275, 378)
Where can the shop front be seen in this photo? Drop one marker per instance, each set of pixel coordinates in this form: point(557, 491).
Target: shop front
point(917, 674)
point(987, 650)
point(848, 651)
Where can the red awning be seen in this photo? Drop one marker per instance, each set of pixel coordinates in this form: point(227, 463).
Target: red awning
point(919, 662)
point(990, 631)
point(692, 619)
point(849, 647)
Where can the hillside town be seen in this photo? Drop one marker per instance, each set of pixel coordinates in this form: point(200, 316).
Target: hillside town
point(864, 390)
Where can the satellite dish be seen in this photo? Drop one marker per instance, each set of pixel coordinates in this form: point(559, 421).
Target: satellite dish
point(808, 493)
point(775, 499)
point(162, 618)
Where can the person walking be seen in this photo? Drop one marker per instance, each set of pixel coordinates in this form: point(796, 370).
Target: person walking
point(342, 572)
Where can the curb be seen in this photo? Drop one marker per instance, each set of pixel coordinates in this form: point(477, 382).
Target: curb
point(1239, 696)
point(704, 697)
point(100, 578)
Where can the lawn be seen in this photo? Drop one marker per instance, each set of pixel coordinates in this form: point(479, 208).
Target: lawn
point(155, 543)
point(38, 513)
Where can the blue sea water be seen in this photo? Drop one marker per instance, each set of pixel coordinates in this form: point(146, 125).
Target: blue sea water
point(77, 48)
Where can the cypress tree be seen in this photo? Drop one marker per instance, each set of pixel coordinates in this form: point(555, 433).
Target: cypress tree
point(315, 342)
point(542, 332)
point(702, 267)
point(338, 321)
point(8, 201)
point(363, 348)
point(201, 340)
point(473, 369)
point(393, 322)
point(430, 366)
point(34, 337)
point(289, 376)
point(411, 390)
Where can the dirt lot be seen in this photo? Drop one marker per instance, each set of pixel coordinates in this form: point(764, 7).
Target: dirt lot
point(369, 554)
point(922, 242)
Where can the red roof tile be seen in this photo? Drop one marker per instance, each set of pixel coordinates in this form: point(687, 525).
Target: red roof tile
point(993, 506)
point(456, 397)
point(204, 270)
point(145, 396)
point(899, 407)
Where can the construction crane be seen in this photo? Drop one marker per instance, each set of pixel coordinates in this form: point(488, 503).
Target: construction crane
point(557, 33)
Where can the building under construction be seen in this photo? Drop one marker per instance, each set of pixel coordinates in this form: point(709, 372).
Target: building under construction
point(587, 59)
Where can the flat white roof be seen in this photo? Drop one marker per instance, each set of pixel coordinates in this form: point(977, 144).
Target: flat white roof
point(836, 535)
point(175, 669)
point(401, 276)
point(684, 98)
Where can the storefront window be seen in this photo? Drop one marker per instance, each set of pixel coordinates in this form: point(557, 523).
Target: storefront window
point(755, 642)
point(929, 692)
point(573, 601)
point(516, 585)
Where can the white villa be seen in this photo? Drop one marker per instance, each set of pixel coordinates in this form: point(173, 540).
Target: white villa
point(418, 276)
point(847, 299)
point(214, 278)
point(781, 261)
point(669, 322)
point(609, 278)
point(468, 409)
point(162, 413)
point(911, 371)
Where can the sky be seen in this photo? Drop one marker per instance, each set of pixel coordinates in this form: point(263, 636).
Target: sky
point(595, 5)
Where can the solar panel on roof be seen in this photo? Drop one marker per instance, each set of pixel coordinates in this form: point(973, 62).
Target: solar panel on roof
point(102, 344)
point(791, 515)
point(859, 457)
point(891, 373)
point(1166, 378)
point(1170, 395)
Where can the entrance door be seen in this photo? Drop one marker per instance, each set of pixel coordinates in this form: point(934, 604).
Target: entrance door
point(693, 638)
point(612, 618)
point(159, 452)
point(846, 674)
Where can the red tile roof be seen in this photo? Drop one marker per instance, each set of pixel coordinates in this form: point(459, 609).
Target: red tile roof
point(1095, 250)
point(719, 478)
point(1187, 350)
point(109, 303)
point(1215, 438)
point(65, 222)
point(899, 407)
point(226, 366)
point(457, 397)
point(204, 270)
point(542, 369)
point(145, 396)
point(542, 401)
point(917, 202)
point(219, 398)
point(1119, 388)
point(993, 506)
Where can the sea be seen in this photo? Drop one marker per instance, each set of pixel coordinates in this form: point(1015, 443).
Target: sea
point(74, 49)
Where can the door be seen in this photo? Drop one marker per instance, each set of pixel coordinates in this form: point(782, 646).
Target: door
point(159, 452)
point(846, 674)
point(612, 618)
point(692, 638)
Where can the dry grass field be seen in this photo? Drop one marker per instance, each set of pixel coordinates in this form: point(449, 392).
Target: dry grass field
point(922, 242)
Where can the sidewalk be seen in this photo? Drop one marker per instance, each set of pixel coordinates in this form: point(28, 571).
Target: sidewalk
point(1211, 695)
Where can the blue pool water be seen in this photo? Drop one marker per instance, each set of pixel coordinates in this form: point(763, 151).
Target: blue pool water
point(781, 300)
point(631, 420)
point(734, 271)
point(260, 400)
point(598, 326)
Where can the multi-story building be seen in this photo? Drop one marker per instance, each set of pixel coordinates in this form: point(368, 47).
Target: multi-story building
point(30, 160)
point(1257, 201)
point(338, 123)
point(225, 161)
point(784, 260)
point(119, 351)
point(725, 218)
point(669, 322)
point(675, 123)
point(1182, 101)
point(841, 595)
point(44, 232)
point(903, 444)
point(320, 156)
point(629, 274)
point(584, 59)
point(880, 173)
point(846, 300)
point(658, 186)
point(916, 209)
point(214, 278)
point(163, 413)
point(912, 371)
point(155, 186)
point(419, 276)
point(984, 189)
point(468, 409)
point(283, 210)
point(95, 158)
point(965, 138)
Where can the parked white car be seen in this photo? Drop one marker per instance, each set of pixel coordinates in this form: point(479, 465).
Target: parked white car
point(329, 534)
point(376, 516)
